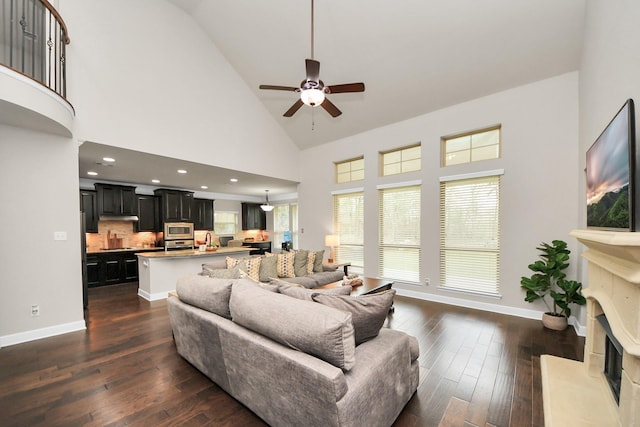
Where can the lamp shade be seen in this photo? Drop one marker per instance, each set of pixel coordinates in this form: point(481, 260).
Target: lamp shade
point(312, 97)
point(332, 240)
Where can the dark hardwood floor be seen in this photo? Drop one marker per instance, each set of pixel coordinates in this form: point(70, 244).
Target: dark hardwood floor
point(477, 369)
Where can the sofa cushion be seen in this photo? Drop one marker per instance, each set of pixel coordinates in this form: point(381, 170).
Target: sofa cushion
point(215, 263)
point(326, 277)
point(206, 293)
point(220, 273)
point(285, 264)
point(317, 262)
point(268, 268)
point(368, 311)
point(305, 294)
point(308, 282)
point(313, 328)
point(300, 260)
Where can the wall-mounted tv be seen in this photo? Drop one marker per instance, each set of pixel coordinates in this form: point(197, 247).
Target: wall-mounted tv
point(611, 175)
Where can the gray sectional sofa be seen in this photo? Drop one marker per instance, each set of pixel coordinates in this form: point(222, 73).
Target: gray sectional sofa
point(293, 361)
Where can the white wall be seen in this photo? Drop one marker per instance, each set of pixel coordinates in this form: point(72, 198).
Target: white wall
point(539, 156)
point(144, 76)
point(609, 75)
point(39, 190)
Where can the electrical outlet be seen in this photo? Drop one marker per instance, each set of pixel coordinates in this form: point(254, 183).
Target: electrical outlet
point(59, 235)
point(427, 281)
point(35, 310)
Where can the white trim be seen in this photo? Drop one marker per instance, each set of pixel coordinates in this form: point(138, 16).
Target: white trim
point(152, 297)
point(347, 191)
point(399, 184)
point(476, 305)
point(40, 87)
point(37, 334)
point(472, 175)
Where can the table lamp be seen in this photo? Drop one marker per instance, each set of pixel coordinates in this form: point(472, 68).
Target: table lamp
point(331, 240)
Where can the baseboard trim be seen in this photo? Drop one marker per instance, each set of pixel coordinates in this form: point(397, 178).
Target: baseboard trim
point(484, 306)
point(37, 334)
point(152, 297)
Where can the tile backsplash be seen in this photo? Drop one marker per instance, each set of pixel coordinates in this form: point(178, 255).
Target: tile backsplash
point(124, 230)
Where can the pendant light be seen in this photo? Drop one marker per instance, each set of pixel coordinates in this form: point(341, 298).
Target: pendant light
point(266, 206)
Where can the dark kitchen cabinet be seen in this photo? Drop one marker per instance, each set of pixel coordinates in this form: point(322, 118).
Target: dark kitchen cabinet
point(258, 248)
point(111, 268)
point(202, 214)
point(117, 200)
point(148, 214)
point(253, 217)
point(93, 270)
point(89, 205)
point(175, 205)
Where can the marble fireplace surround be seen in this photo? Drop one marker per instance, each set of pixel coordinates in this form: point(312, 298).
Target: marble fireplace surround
point(577, 393)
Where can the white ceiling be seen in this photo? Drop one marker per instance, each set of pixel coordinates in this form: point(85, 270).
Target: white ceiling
point(414, 56)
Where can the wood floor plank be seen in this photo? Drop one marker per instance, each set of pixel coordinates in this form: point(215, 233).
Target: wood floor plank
point(477, 369)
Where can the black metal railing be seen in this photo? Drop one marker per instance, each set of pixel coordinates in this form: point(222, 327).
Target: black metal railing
point(33, 40)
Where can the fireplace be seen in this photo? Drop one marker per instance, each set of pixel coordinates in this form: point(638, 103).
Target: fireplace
point(604, 390)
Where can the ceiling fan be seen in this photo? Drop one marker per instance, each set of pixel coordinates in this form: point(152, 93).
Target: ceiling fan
point(312, 90)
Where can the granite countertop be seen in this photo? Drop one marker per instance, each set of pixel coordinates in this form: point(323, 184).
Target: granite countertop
point(188, 253)
point(137, 249)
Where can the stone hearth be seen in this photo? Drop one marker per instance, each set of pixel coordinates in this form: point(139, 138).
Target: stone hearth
point(577, 393)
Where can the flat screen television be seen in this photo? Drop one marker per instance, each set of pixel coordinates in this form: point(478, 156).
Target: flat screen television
point(611, 175)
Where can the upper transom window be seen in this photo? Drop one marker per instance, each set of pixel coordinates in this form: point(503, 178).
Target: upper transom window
point(350, 170)
point(470, 147)
point(401, 160)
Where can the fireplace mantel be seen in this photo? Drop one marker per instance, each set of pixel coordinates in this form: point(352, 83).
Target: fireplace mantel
point(576, 393)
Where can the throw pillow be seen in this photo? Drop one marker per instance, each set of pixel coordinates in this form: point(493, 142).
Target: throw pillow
point(311, 258)
point(302, 325)
point(232, 262)
point(285, 264)
point(368, 311)
point(317, 263)
point(250, 266)
point(206, 293)
point(300, 260)
point(268, 268)
point(221, 273)
point(305, 294)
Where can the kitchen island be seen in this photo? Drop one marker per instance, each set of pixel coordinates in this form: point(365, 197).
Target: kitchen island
point(158, 272)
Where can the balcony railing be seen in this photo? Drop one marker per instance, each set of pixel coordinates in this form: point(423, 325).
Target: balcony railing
point(33, 40)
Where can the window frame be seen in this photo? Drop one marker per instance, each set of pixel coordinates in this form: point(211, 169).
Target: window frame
point(348, 245)
point(237, 216)
point(447, 138)
point(350, 162)
point(402, 162)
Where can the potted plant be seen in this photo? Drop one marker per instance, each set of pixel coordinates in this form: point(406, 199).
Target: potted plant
point(549, 283)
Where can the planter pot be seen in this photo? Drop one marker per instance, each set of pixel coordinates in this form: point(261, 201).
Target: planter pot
point(554, 322)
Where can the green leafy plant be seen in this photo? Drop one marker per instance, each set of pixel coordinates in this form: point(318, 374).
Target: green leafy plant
point(549, 280)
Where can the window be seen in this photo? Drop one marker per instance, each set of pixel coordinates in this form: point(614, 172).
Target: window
point(348, 224)
point(225, 223)
point(399, 219)
point(471, 147)
point(285, 218)
point(402, 160)
point(350, 170)
point(470, 233)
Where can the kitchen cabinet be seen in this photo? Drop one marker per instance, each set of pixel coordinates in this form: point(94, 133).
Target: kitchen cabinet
point(175, 205)
point(202, 214)
point(89, 205)
point(253, 217)
point(258, 248)
point(116, 200)
point(148, 214)
point(111, 268)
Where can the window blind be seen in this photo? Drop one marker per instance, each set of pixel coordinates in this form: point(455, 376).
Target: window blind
point(348, 224)
point(399, 234)
point(470, 234)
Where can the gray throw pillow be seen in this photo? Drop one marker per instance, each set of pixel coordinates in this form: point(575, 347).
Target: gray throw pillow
point(305, 294)
point(221, 273)
point(300, 262)
point(368, 311)
point(268, 268)
point(312, 328)
point(206, 293)
point(317, 263)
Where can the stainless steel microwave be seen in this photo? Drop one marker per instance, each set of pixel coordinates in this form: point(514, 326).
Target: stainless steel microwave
point(178, 230)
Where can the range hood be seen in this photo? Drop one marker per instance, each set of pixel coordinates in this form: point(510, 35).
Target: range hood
point(118, 218)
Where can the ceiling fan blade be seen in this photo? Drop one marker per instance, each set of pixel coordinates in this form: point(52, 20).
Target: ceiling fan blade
point(295, 107)
point(313, 70)
point(331, 108)
point(272, 87)
point(348, 87)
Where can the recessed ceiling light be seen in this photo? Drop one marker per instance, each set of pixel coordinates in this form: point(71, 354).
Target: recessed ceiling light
point(155, 181)
point(92, 173)
point(108, 159)
point(234, 180)
point(182, 171)
point(204, 187)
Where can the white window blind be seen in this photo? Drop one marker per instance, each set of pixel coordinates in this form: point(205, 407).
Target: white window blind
point(470, 234)
point(225, 223)
point(399, 219)
point(348, 224)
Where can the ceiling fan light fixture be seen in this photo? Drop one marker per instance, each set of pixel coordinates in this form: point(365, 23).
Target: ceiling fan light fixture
point(266, 206)
point(312, 97)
